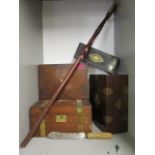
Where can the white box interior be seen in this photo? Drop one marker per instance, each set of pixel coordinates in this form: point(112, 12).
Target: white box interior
point(50, 32)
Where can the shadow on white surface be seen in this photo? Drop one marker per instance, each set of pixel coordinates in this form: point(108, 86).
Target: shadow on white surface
point(44, 146)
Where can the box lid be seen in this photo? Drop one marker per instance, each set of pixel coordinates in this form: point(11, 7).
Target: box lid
point(63, 107)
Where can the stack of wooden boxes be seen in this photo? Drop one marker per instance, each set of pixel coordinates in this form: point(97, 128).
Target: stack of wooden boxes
point(72, 111)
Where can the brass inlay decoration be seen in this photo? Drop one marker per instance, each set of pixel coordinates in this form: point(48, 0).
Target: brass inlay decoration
point(42, 128)
point(79, 106)
point(118, 104)
point(96, 58)
point(80, 115)
point(107, 91)
point(108, 119)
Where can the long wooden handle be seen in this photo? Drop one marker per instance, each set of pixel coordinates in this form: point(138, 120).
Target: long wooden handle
point(67, 78)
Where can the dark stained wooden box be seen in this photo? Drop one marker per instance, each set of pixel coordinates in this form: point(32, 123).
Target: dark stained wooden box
point(51, 76)
point(64, 116)
point(109, 99)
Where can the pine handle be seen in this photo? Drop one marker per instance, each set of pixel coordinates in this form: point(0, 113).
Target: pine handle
point(99, 135)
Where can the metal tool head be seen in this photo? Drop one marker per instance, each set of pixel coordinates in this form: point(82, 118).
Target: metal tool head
point(99, 59)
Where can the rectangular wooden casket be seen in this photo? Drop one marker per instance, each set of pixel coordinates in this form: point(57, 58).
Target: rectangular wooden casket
point(64, 116)
point(51, 76)
point(109, 99)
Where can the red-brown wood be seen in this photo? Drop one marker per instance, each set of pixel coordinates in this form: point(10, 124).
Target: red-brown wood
point(52, 75)
point(68, 77)
point(74, 122)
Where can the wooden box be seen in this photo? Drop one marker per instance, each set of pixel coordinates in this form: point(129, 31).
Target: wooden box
point(109, 99)
point(51, 76)
point(64, 116)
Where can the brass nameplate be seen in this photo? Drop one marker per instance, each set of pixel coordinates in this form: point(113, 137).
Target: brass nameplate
point(61, 118)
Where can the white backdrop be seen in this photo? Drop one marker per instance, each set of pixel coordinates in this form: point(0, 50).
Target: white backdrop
point(66, 23)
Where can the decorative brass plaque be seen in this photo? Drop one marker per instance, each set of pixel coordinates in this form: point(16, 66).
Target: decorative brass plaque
point(107, 91)
point(79, 106)
point(42, 128)
point(61, 118)
point(108, 119)
point(96, 58)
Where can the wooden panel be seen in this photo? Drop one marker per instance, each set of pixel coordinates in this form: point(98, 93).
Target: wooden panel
point(73, 121)
point(109, 98)
point(51, 76)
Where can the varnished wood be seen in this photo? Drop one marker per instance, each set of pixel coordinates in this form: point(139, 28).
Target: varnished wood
point(109, 99)
point(52, 75)
point(74, 122)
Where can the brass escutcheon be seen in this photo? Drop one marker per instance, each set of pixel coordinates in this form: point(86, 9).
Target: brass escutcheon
point(107, 91)
point(96, 58)
point(108, 119)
